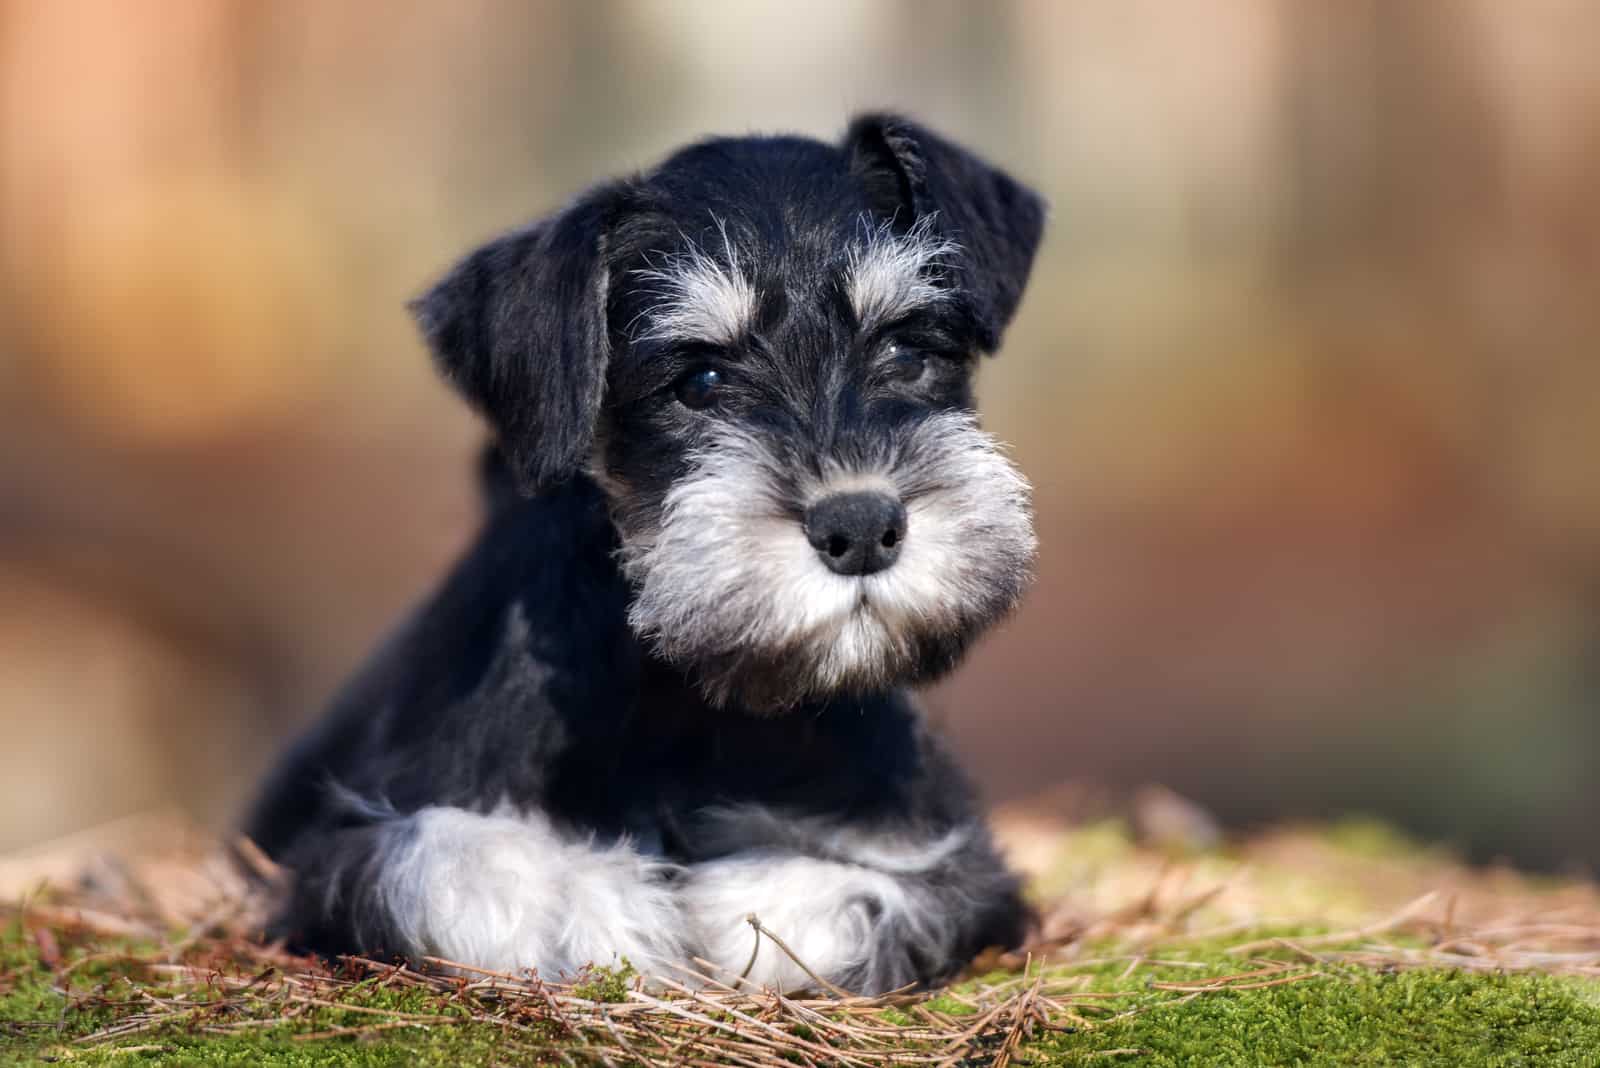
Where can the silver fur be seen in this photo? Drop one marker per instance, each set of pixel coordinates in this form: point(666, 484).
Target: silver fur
point(728, 569)
point(892, 273)
point(700, 299)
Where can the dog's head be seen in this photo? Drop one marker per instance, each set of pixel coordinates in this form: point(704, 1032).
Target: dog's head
point(763, 350)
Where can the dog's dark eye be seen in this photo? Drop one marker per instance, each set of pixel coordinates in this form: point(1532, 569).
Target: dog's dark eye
point(699, 388)
point(906, 364)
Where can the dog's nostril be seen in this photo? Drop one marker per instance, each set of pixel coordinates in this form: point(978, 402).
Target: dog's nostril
point(856, 533)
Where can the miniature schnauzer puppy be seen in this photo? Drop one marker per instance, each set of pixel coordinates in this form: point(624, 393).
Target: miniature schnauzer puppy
point(738, 503)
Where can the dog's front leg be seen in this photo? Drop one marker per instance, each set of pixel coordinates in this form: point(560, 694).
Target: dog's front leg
point(864, 928)
point(502, 891)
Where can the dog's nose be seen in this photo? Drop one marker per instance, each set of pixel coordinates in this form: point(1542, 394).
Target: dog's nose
point(856, 533)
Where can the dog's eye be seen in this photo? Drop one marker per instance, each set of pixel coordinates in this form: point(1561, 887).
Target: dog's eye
point(906, 364)
point(699, 388)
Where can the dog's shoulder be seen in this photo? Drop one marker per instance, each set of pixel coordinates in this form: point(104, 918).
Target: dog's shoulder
point(538, 587)
point(523, 649)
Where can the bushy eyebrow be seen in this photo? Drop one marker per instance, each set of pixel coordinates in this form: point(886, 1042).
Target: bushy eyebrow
point(891, 274)
point(698, 298)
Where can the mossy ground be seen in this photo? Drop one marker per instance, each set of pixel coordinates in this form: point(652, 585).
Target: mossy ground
point(1409, 1018)
point(1168, 1014)
point(1168, 976)
point(47, 1010)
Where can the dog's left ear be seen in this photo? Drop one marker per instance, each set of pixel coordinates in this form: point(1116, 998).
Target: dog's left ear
point(912, 174)
point(519, 328)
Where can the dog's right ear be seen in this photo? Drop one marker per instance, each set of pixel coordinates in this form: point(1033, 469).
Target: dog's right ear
point(519, 328)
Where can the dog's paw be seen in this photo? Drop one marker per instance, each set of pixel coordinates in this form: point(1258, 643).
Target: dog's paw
point(508, 893)
point(858, 929)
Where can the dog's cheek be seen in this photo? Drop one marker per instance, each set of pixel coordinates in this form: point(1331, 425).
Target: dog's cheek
point(644, 453)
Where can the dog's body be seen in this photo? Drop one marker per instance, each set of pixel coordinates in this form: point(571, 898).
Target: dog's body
point(665, 692)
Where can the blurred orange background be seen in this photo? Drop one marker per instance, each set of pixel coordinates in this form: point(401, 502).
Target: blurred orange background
point(1308, 377)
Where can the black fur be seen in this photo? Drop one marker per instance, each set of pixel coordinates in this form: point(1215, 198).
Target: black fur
point(911, 173)
point(519, 326)
point(520, 681)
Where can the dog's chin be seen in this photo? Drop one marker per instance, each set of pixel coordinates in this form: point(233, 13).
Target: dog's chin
point(859, 655)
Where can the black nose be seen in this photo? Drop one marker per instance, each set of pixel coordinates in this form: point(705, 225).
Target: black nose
point(856, 533)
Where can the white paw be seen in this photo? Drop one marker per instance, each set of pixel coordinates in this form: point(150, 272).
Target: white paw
point(831, 916)
point(507, 892)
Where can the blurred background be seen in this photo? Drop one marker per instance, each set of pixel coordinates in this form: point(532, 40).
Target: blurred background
point(1308, 376)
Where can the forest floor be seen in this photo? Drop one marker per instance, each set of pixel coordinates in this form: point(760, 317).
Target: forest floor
point(1160, 944)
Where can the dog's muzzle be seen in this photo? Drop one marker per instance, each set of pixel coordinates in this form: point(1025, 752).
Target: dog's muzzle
point(780, 586)
point(856, 533)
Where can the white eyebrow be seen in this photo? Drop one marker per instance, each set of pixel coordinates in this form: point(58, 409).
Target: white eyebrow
point(895, 273)
point(700, 299)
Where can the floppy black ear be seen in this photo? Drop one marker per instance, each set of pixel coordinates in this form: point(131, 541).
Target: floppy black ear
point(913, 174)
point(519, 327)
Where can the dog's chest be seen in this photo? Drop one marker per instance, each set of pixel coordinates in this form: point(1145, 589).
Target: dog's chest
point(652, 781)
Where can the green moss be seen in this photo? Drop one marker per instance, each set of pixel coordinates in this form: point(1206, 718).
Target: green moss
point(1346, 1016)
point(950, 1006)
point(393, 1048)
point(605, 984)
point(1340, 1016)
point(44, 1013)
point(897, 1018)
point(1412, 1018)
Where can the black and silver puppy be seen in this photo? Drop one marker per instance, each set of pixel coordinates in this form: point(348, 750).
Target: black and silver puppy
point(739, 501)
